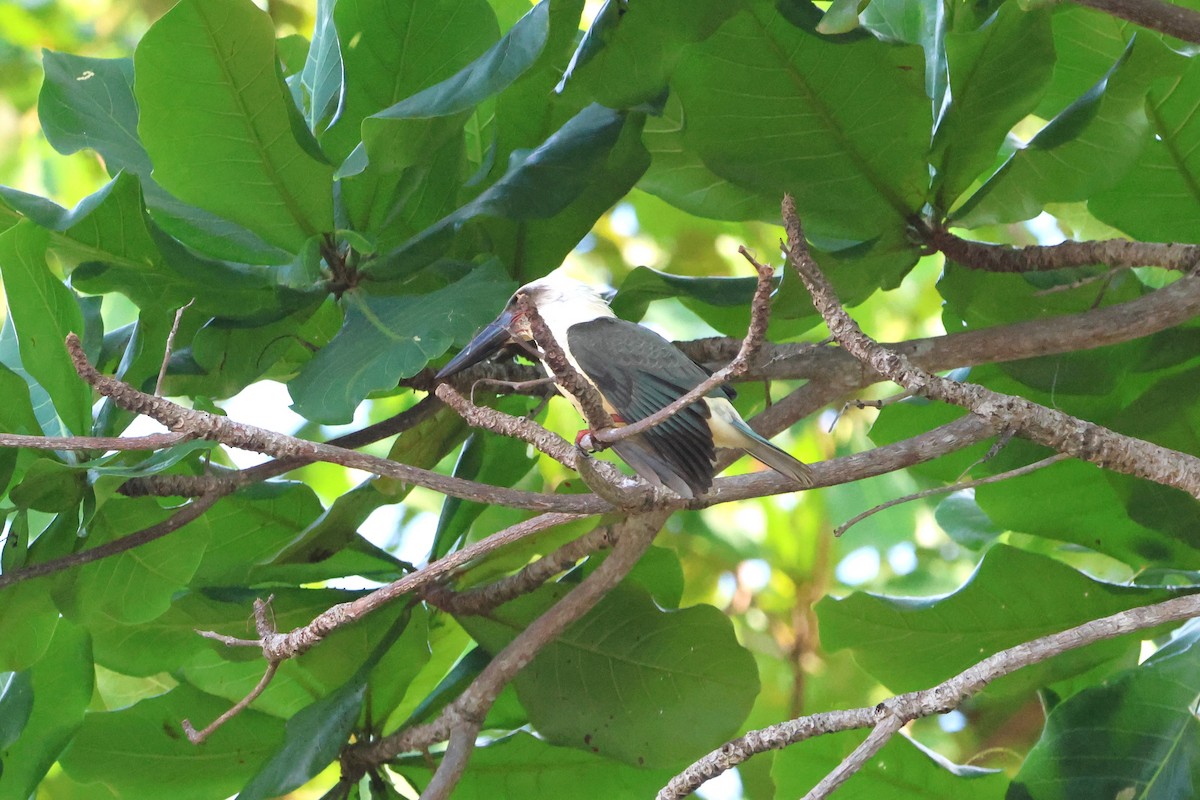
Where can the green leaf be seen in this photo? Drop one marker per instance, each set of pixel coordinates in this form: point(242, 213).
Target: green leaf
point(841, 17)
point(1135, 736)
point(540, 184)
point(997, 74)
point(141, 751)
point(49, 486)
point(1081, 152)
point(1013, 597)
point(322, 73)
point(136, 585)
point(630, 681)
point(117, 248)
point(393, 49)
point(89, 103)
point(631, 49)
point(43, 311)
point(523, 766)
point(215, 114)
point(843, 124)
point(902, 770)
point(1168, 169)
point(679, 176)
point(313, 739)
point(386, 338)
point(964, 521)
point(16, 704)
point(62, 687)
point(27, 624)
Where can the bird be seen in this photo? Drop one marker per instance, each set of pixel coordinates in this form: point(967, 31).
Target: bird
point(636, 372)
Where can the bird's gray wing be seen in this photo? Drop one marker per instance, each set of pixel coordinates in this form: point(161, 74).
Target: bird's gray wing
point(639, 372)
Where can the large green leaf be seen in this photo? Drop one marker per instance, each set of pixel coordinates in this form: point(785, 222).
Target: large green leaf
point(141, 751)
point(902, 770)
point(386, 338)
point(997, 74)
point(89, 102)
point(1085, 149)
point(62, 688)
point(136, 585)
point(842, 123)
point(630, 681)
point(524, 766)
point(1136, 736)
point(1168, 170)
point(215, 115)
point(114, 247)
point(392, 50)
point(1013, 597)
point(43, 311)
point(569, 171)
point(631, 49)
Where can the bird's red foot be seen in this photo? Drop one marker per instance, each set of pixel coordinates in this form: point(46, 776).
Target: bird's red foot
point(584, 440)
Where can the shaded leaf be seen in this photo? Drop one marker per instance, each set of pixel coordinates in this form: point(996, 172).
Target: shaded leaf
point(61, 683)
point(630, 681)
point(524, 766)
point(386, 338)
point(1134, 736)
point(1013, 597)
point(43, 311)
point(141, 751)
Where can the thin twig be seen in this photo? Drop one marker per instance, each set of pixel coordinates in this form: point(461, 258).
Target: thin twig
point(876, 739)
point(1173, 20)
point(954, 487)
point(1117, 253)
point(183, 516)
point(197, 737)
point(945, 696)
point(162, 371)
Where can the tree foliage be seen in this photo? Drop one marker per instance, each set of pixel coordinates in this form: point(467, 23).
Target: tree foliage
point(340, 211)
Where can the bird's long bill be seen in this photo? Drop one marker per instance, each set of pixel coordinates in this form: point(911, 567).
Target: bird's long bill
point(486, 343)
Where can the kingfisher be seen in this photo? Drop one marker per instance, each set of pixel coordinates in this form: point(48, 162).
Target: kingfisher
point(636, 372)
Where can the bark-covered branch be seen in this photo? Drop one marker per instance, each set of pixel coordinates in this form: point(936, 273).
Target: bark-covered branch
point(946, 696)
point(1039, 258)
point(1061, 432)
point(1182, 23)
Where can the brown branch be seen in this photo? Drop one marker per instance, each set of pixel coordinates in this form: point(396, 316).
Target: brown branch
point(195, 485)
point(876, 739)
point(633, 536)
point(1038, 258)
point(481, 599)
point(503, 424)
point(153, 441)
point(166, 359)
point(197, 737)
point(760, 309)
point(281, 646)
point(1061, 432)
point(183, 516)
point(953, 487)
point(1182, 23)
point(203, 425)
point(939, 699)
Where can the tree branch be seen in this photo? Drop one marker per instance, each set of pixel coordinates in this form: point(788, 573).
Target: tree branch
point(1173, 20)
point(1061, 432)
point(939, 699)
point(1040, 258)
point(633, 536)
point(153, 441)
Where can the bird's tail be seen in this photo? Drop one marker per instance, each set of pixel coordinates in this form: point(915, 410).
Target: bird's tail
point(779, 460)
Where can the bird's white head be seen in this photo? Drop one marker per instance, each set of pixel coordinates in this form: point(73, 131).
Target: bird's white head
point(563, 302)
